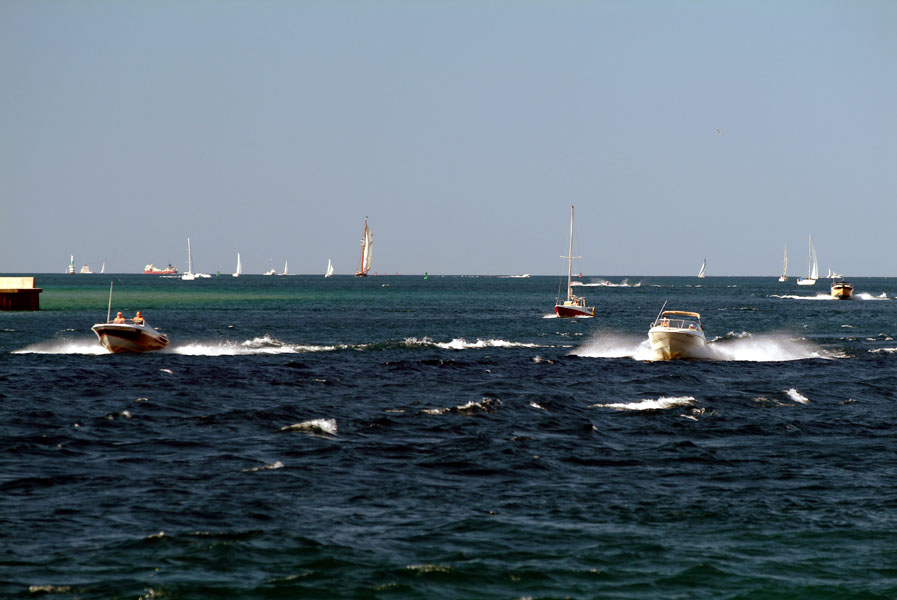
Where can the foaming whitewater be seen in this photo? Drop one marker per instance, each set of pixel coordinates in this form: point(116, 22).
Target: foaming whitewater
point(85, 346)
point(661, 403)
point(462, 344)
point(605, 283)
point(259, 345)
point(731, 347)
point(315, 426)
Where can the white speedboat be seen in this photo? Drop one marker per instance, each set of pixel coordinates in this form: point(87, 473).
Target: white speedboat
point(677, 334)
point(121, 338)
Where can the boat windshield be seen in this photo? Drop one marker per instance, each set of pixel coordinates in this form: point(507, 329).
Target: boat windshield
point(678, 322)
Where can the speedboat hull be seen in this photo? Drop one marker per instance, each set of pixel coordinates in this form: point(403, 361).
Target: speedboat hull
point(671, 344)
point(841, 290)
point(120, 338)
point(568, 310)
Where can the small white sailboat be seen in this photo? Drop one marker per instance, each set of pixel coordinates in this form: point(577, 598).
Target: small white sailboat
point(239, 270)
point(784, 275)
point(285, 270)
point(812, 267)
point(573, 306)
point(103, 268)
point(701, 273)
point(367, 241)
point(329, 272)
point(189, 276)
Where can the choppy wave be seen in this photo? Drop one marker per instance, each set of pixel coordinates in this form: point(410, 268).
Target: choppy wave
point(484, 405)
point(661, 403)
point(796, 396)
point(319, 426)
point(731, 347)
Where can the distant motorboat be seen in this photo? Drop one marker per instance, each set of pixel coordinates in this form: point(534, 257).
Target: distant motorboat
point(573, 306)
point(677, 334)
point(152, 269)
point(812, 267)
point(271, 272)
point(85, 270)
point(841, 290)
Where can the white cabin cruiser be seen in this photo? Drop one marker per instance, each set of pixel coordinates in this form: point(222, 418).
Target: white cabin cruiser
point(677, 334)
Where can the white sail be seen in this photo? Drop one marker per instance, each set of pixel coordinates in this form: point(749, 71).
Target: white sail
point(103, 268)
point(285, 270)
point(239, 270)
point(812, 266)
point(703, 268)
point(329, 272)
point(189, 276)
point(367, 241)
point(784, 275)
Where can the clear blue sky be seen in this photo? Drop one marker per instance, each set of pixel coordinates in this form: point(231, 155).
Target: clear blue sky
point(464, 130)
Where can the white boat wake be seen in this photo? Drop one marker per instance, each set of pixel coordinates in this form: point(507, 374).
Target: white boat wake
point(732, 347)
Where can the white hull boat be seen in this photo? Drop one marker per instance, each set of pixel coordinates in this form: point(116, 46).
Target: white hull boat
point(120, 338)
point(128, 337)
point(677, 334)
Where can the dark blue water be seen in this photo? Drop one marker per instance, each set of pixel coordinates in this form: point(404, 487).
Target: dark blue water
point(395, 437)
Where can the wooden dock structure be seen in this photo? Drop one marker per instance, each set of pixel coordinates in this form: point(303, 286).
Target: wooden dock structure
point(19, 293)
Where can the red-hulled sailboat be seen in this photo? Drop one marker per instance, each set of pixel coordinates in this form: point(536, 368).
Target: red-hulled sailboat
point(573, 306)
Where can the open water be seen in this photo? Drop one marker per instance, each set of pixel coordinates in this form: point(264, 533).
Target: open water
point(395, 437)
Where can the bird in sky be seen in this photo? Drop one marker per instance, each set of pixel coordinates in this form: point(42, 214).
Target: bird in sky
point(718, 132)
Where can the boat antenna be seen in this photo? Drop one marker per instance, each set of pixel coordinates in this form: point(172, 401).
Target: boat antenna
point(109, 310)
point(661, 310)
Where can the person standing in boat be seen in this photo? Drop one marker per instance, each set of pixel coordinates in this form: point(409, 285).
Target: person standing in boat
point(118, 319)
point(138, 319)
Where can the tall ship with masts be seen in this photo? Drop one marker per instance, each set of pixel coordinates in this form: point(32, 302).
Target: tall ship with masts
point(364, 263)
point(573, 306)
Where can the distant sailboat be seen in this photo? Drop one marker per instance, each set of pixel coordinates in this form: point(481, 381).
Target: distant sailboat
point(189, 276)
point(71, 269)
point(784, 275)
point(364, 263)
point(573, 306)
point(103, 268)
point(239, 270)
point(812, 267)
point(285, 271)
point(703, 268)
point(329, 272)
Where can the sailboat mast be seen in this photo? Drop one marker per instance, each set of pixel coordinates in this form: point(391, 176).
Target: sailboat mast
point(570, 257)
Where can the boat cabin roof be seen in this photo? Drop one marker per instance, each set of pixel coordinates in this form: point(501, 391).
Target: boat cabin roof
point(681, 312)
